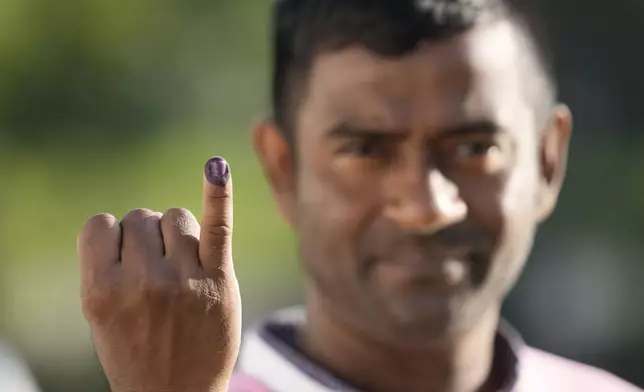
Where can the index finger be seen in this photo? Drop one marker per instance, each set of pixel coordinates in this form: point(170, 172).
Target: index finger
point(215, 242)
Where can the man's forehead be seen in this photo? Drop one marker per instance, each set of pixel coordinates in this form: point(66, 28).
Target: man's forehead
point(474, 68)
point(493, 44)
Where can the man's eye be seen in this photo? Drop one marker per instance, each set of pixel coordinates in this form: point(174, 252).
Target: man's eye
point(478, 154)
point(475, 149)
point(368, 147)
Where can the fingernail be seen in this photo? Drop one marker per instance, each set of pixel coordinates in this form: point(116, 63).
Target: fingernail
point(217, 171)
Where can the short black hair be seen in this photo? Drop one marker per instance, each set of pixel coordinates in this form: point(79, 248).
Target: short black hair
point(304, 28)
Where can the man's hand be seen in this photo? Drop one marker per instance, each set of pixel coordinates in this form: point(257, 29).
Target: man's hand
point(161, 296)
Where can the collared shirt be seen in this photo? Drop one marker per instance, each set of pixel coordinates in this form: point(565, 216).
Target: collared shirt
point(271, 362)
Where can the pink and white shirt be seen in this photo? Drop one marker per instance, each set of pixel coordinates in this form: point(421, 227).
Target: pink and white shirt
point(270, 362)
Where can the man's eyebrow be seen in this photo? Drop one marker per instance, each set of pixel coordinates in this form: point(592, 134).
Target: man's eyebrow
point(345, 129)
point(472, 127)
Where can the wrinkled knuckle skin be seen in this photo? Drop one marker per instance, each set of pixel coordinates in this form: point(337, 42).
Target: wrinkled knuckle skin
point(180, 219)
point(220, 231)
point(177, 213)
point(219, 197)
point(138, 214)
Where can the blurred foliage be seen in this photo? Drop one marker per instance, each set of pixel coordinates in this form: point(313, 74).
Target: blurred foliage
point(109, 105)
point(118, 70)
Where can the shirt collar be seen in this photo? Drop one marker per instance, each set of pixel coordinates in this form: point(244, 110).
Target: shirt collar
point(270, 354)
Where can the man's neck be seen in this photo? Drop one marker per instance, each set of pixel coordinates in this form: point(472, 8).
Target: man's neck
point(462, 365)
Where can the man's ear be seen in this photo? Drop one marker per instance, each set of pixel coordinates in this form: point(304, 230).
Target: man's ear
point(277, 159)
point(554, 146)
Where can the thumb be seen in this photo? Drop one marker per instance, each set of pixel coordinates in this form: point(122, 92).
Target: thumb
point(215, 243)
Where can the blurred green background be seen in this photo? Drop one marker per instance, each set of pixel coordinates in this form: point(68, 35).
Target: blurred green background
point(110, 105)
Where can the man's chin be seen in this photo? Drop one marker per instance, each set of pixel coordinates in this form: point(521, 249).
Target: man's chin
point(425, 322)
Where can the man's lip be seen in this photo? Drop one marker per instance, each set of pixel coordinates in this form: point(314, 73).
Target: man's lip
point(445, 271)
point(423, 265)
point(434, 256)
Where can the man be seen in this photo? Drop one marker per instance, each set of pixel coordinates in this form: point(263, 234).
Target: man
point(415, 148)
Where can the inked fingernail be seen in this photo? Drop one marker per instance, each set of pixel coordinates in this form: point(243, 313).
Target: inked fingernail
point(217, 171)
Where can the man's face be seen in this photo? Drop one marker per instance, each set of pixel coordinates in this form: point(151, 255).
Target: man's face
point(419, 182)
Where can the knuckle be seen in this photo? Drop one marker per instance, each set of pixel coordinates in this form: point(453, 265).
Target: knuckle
point(218, 197)
point(178, 212)
point(138, 214)
point(101, 220)
point(221, 218)
point(95, 229)
point(98, 303)
point(179, 217)
point(98, 222)
point(222, 230)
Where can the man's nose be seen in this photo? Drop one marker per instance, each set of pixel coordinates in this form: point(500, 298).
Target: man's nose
point(425, 201)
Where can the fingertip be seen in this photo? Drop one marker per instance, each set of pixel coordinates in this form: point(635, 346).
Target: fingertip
point(217, 171)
